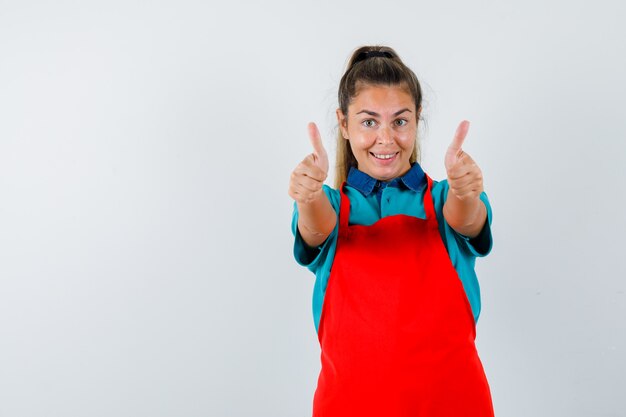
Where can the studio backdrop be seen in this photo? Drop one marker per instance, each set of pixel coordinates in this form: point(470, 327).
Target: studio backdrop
point(146, 255)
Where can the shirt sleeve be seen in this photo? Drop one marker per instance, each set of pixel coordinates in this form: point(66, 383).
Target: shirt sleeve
point(480, 245)
point(305, 255)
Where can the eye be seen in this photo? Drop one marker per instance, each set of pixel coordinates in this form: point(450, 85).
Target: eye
point(368, 122)
point(401, 122)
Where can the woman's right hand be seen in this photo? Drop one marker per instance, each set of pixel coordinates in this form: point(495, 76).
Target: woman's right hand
point(316, 216)
point(305, 185)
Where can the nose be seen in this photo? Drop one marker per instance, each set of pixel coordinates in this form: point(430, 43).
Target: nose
point(385, 136)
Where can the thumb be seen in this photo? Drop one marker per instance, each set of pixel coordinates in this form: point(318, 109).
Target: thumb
point(457, 142)
point(316, 139)
point(459, 136)
point(318, 146)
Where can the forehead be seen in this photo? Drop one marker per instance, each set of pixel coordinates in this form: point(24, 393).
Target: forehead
point(381, 98)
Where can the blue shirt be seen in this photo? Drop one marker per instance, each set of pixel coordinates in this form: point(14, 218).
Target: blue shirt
point(371, 200)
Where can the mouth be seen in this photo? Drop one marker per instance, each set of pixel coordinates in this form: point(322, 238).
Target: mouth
point(384, 156)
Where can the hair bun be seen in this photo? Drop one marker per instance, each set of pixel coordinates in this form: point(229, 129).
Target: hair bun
point(370, 54)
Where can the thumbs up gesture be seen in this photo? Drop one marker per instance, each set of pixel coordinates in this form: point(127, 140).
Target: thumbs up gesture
point(305, 185)
point(464, 176)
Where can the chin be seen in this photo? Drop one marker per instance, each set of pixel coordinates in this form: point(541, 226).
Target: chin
point(385, 176)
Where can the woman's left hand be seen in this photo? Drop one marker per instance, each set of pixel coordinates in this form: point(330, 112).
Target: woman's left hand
point(465, 178)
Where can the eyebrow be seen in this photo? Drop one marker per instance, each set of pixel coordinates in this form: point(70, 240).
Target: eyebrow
point(371, 113)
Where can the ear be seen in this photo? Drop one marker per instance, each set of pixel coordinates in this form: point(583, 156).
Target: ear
point(343, 123)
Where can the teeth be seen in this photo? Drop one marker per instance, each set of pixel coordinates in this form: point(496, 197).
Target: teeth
point(381, 156)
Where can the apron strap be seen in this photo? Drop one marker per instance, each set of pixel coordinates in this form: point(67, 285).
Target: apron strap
point(344, 211)
point(429, 207)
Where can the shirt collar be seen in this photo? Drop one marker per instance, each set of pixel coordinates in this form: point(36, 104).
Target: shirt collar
point(414, 179)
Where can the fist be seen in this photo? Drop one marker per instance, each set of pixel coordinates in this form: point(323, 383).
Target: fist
point(464, 176)
point(305, 184)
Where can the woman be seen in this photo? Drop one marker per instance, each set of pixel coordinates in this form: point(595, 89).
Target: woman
point(396, 297)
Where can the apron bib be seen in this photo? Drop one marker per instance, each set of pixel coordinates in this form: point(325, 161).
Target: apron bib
point(396, 330)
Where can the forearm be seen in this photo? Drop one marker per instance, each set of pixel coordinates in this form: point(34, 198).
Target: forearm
point(467, 216)
point(316, 220)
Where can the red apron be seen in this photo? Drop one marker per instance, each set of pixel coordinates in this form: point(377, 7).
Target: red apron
point(396, 329)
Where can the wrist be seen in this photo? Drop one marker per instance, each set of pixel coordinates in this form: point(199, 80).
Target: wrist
point(314, 199)
point(462, 213)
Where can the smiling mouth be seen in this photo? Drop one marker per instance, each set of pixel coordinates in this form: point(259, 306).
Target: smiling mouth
point(384, 156)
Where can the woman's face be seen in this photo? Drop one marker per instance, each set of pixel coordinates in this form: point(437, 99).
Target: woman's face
point(381, 126)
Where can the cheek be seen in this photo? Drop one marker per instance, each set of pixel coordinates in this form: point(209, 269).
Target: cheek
point(362, 142)
point(407, 139)
point(406, 142)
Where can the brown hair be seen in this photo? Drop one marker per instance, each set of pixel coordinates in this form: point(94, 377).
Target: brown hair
point(382, 67)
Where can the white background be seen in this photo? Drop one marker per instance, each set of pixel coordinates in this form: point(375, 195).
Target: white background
point(146, 263)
